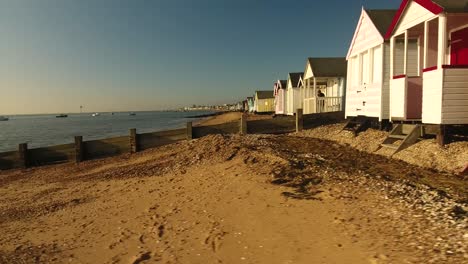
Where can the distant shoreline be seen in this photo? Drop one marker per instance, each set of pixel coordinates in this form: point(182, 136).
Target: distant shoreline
point(207, 115)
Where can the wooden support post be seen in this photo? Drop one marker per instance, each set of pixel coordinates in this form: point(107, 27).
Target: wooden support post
point(79, 153)
point(426, 44)
point(441, 136)
point(299, 120)
point(442, 41)
point(189, 131)
point(23, 155)
point(133, 141)
point(405, 58)
point(243, 125)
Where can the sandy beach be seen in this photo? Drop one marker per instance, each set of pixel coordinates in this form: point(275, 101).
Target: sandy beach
point(229, 117)
point(235, 199)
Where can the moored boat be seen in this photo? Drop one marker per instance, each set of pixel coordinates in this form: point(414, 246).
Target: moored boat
point(61, 116)
point(4, 118)
point(95, 114)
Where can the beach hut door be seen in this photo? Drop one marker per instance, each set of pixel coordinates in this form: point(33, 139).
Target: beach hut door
point(459, 47)
point(364, 83)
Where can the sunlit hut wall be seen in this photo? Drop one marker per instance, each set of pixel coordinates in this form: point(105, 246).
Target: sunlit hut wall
point(265, 102)
point(293, 93)
point(368, 79)
point(279, 89)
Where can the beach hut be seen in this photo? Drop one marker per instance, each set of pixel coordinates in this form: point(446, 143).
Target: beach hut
point(279, 89)
point(323, 85)
point(428, 69)
point(368, 78)
point(251, 104)
point(429, 62)
point(264, 102)
point(293, 93)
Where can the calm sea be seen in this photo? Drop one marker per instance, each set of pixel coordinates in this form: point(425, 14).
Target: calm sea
point(47, 130)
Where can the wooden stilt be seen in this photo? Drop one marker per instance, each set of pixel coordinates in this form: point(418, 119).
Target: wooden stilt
point(441, 136)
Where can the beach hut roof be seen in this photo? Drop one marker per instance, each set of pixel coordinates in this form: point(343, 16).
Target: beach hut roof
point(283, 84)
point(295, 77)
point(453, 6)
point(434, 6)
point(264, 94)
point(328, 67)
point(382, 19)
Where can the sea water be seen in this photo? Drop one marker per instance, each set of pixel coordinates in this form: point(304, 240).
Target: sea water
point(48, 130)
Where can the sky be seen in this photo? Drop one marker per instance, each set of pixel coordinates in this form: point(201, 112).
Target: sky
point(116, 55)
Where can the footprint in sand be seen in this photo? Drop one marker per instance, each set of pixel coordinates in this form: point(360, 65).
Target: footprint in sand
point(140, 258)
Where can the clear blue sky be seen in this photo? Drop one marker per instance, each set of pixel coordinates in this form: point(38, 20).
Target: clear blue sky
point(112, 55)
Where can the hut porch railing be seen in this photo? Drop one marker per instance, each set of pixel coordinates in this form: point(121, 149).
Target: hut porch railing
point(323, 104)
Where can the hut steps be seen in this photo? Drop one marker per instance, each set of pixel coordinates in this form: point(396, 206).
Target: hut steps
point(401, 137)
point(357, 125)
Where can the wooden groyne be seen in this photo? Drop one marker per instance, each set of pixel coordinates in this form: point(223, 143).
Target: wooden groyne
point(81, 150)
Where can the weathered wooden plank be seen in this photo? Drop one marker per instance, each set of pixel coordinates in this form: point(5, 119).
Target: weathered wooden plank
point(133, 141)
point(9, 160)
point(456, 90)
point(276, 125)
point(313, 120)
point(189, 131)
point(299, 120)
point(174, 132)
point(53, 154)
point(23, 155)
point(243, 125)
point(455, 103)
point(79, 153)
point(156, 139)
point(106, 147)
point(227, 128)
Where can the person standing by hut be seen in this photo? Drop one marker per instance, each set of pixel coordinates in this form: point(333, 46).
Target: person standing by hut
point(321, 101)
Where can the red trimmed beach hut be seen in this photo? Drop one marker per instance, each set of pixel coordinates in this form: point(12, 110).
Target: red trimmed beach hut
point(429, 62)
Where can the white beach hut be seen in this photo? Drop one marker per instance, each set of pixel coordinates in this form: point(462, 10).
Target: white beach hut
point(429, 62)
point(327, 76)
point(280, 97)
point(428, 69)
point(293, 93)
point(368, 78)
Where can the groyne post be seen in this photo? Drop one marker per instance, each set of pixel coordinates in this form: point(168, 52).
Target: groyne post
point(79, 156)
point(133, 141)
point(299, 120)
point(189, 131)
point(243, 124)
point(23, 155)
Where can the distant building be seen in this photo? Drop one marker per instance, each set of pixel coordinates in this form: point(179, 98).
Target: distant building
point(251, 104)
